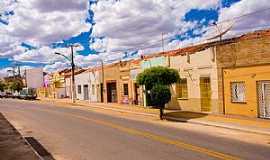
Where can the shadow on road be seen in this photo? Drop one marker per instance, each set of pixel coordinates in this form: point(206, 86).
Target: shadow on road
point(183, 116)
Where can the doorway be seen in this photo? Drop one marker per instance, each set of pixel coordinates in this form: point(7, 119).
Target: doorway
point(205, 88)
point(136, 93)
point(264, 99)
point(85, 92)
point(112, 92)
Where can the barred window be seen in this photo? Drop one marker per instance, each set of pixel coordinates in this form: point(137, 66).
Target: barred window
point(79, 89)
point(182, 88)
point(238, 91)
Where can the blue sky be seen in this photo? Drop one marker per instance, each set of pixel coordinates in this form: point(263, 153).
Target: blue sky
point(98, 29)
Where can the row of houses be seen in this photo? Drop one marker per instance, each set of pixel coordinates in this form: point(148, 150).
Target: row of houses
point(231, 76)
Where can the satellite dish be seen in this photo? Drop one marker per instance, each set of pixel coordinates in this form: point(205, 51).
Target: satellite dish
point(222, 30)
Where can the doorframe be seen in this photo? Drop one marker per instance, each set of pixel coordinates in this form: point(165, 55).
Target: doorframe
point(259, 85)
point(107, 90)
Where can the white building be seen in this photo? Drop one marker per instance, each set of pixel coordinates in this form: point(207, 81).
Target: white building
point(34, 78)
point(88, 85)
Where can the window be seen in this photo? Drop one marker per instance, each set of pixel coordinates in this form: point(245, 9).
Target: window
point(125, 89)
point(93, 89)
point(238, 91)
point(79, 89)
point(182, 88)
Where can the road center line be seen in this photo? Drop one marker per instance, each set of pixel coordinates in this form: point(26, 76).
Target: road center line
point(151, 136)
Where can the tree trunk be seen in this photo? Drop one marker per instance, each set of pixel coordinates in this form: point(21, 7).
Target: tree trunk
point(161, 108)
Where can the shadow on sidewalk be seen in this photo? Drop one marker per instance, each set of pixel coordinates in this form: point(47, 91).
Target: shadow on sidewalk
point(183, 116)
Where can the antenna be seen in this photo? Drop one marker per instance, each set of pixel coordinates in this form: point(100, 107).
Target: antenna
point(220, 31)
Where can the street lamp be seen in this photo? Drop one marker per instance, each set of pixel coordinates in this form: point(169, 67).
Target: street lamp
point(71, 60)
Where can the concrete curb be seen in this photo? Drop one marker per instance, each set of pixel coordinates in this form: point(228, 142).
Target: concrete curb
point(35, 152)
point(243, 129)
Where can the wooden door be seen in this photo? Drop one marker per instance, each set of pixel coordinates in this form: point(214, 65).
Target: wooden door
point(205, 88)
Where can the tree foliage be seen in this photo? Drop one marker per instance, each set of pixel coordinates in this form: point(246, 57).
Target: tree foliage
point(16, 85)
point(157, 75)
point(160, 95)
point(2, 85)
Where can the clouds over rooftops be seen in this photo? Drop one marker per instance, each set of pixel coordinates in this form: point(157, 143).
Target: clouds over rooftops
point(118, 27)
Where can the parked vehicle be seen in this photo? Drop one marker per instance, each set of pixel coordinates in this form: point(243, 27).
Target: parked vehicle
point(7, 95)
point(16, 95)
point(28, 94)
point(2, 94)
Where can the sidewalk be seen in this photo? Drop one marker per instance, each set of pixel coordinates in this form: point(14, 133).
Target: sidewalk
point(253, 125)
point(12, 145)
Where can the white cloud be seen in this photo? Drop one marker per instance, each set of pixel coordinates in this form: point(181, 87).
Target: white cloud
point(4, 72)
point(131, 24)
point(248, 23)
point(125, 24)
point(42, 22)
point(57, 66)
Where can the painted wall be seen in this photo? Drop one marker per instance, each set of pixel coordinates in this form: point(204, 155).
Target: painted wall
point(124, 69)
point(152, 62)
point(34, 78)
point(112, 74)
point(251, 50)
point(95, 90)
point(202, 64)
point(250, 76)
point(68, 86)
point(82, 79)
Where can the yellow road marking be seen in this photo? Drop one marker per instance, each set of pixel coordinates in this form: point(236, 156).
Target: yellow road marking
point(152, 136)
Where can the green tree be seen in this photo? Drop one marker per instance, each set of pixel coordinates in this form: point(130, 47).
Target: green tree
point(160, 95)
point(157, 80)
point(16, 85)
point(2, 85)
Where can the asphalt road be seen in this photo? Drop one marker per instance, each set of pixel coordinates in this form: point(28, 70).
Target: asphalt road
point(75, 134)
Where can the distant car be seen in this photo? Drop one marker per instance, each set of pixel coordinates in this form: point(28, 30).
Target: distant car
point(16, 95)
point(28, 94)
point(7, 95)
point(2, 94)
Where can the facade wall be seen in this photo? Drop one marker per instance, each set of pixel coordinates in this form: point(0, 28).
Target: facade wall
point(245, 52)
point(81, 80)
point(192, 67)
point(124, 69)
point(56, 88)
point(68, 86)
point(34, 78)
point(250, 76)
point(137, 93)
point(95, 90)
point(111, 74)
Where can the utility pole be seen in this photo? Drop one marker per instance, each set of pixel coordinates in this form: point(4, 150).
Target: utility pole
point(73, 76)
point(71, 60)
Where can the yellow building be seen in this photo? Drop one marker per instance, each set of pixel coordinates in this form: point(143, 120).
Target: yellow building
point(247, 91)
point(244, 75)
